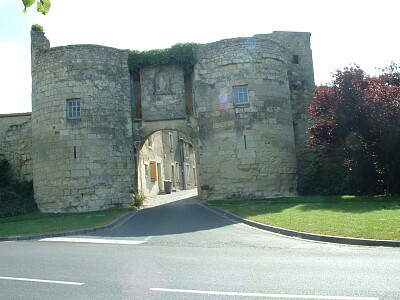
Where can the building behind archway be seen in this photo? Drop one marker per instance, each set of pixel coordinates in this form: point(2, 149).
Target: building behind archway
point(248, 100)
point(166, 163)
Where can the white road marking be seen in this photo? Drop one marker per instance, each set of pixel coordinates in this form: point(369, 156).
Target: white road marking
point(260, 295)
point(91, 241)
point(41, 280)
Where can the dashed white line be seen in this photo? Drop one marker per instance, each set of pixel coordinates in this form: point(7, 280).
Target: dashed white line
point(92, 241)
point(41, 280)
point(261, 295)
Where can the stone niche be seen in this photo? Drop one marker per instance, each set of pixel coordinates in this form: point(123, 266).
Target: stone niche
point(163, 93)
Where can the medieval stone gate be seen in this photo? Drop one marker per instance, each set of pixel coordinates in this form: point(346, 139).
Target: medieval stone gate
point(244, 105)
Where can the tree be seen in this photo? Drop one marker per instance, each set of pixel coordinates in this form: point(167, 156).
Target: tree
point(357, 126)
point(43, 6)
point(5, 171)
point(383, 97)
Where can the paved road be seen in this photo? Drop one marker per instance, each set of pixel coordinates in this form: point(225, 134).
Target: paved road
point(189, 252)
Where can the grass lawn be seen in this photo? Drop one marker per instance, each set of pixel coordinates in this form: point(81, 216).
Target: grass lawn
point(351, 216)
point(41, 223)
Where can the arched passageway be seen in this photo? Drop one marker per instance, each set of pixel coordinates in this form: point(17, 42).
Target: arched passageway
point(167, 163)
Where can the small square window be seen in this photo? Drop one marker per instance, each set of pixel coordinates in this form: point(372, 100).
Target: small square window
point(73, 109)
point(240, 95)
point(295, 59)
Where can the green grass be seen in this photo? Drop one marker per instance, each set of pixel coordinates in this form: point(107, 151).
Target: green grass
point(43, 223)
point(351, 216)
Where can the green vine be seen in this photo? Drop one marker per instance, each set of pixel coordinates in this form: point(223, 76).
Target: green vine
point(179, 54)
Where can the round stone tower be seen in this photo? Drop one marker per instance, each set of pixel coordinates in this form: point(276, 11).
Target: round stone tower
point(81, 133)
point(246, 137)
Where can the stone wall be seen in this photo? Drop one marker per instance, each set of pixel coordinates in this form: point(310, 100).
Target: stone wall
point(163, 93)
point(7, 120)
point(16, 143)
point(301, 80)
point(83, 163)
point(256, 148)
point(245, 150)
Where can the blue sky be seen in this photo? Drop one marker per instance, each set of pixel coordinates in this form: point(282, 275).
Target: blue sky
point(343, 32)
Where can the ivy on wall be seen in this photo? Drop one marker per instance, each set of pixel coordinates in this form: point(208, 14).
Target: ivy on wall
point(180, 54)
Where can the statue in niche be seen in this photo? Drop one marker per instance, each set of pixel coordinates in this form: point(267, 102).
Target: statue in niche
point(162, 83)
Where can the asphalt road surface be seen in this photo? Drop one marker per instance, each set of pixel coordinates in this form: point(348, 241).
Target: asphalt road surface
point(178, 249)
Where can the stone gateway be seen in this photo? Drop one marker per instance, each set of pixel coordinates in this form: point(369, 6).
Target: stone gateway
point(243, 108)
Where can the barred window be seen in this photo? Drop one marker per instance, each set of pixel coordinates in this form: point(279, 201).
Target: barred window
point(240, 95)
point(73, 109)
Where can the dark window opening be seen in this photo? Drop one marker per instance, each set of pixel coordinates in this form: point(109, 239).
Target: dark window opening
point(188, 95)
point(295, 59)
point(137, 94)
point(296, 133)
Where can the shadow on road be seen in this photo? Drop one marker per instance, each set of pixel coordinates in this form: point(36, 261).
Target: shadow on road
point(181, 216)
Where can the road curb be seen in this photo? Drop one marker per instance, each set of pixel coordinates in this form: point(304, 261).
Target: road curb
point(306, 235)
point(115, 223)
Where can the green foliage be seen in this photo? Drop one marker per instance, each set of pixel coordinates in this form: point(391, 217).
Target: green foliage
point(27, 3)
point(324, 178)
point(179, 54)
point(330, 176)
point(37, 27)
point(16, 197)
point(356, 122)
point(5, 172)
point(42, 6)
point(139, 199)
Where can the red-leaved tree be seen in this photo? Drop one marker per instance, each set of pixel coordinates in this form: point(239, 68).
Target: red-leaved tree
point(356, 125)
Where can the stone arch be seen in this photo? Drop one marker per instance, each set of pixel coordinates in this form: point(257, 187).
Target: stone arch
point(187, 126)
